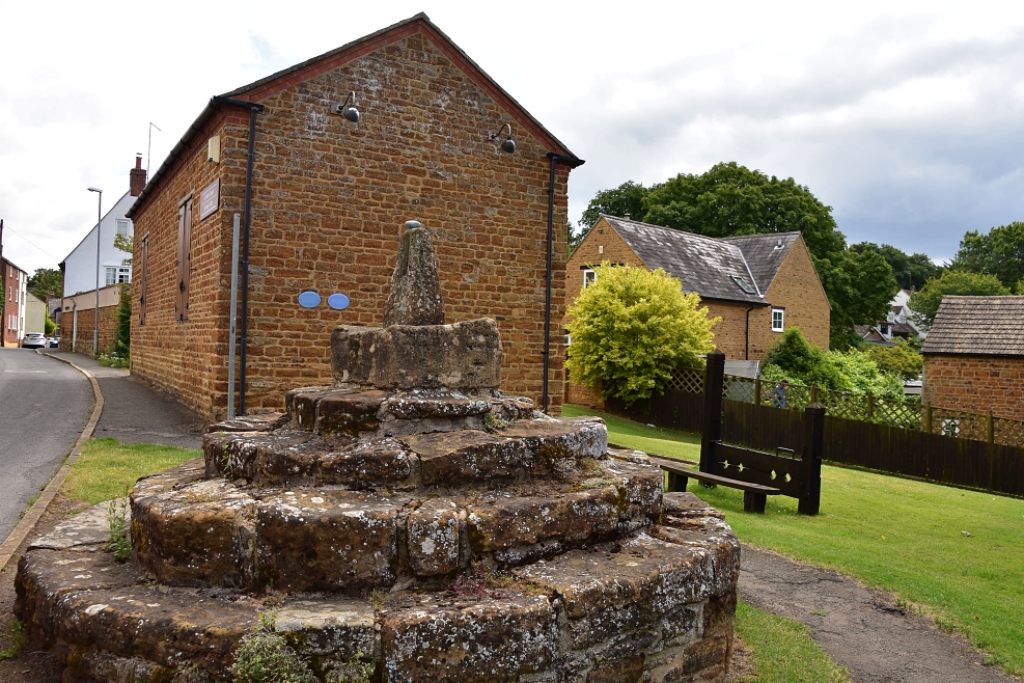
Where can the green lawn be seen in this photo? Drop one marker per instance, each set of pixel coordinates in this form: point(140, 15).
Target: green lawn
point(900, 535)
point(668, 442)
point(108, 468)
point(781, 650)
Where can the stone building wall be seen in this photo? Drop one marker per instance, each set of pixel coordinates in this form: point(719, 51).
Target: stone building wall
point(975, 384)
point(82, 342)
point(329, 200)
point(797, 289)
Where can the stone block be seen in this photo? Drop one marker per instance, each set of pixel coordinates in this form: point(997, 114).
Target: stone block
point(453, 458)
point(194, 535)
point(326, 540)
point(581, 437)
point(433, 532)
point(367, 463)
point(462, 356)
point(263, 422)
point(329, 626)
point(500, 521)
point(484, 640)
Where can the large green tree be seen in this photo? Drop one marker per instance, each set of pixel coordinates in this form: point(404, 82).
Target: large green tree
point(860, 286)
point(730, 199)
point(625, 200)
point(911, 271)
point(631, 329)
point(999, 253)
point(46, 281)
point(925, 303)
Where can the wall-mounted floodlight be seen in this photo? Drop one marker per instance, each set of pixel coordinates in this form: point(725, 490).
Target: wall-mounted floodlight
point(508, 145)
point(347, 108)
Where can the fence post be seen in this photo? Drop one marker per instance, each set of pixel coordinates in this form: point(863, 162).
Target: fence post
point(928, 419)
point(990, 434)
point(871, 407)
point(814, 395)
point(712, 431)
point(757, 391)
point(814, 443)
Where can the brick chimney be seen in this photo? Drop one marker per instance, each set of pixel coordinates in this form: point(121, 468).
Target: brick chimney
point(137, 177)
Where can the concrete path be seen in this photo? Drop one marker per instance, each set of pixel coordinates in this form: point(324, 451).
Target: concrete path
point(861, 629)
point(44, 406)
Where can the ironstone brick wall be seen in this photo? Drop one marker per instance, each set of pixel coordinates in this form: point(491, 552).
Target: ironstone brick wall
point(329, 200)
point(796, 288)
point(83, 342)
point(975, 384)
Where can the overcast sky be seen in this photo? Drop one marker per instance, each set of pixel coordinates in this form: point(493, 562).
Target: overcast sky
point(906, 118)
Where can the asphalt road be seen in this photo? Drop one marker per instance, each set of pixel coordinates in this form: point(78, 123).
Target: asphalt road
point(44, 406)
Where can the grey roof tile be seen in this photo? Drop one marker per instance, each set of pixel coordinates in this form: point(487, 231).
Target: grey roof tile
point(978, 326)
point(704, 265)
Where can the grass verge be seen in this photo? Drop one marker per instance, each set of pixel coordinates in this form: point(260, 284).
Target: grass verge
point(668, 442)
point(107, 468)
point(781, 650)
point(904, 536)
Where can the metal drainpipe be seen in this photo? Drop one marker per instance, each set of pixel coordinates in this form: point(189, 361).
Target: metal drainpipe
point(573, 163)
point(254, 109)
point(746, 342)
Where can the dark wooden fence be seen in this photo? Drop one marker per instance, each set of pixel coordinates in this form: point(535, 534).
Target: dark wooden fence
point(945, 459)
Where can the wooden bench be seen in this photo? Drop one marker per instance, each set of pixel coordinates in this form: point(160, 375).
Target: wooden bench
point(755, 496)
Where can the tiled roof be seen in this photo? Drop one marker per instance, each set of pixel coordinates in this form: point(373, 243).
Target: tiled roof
point(703, 264)
point(765, 254)
point(978, 326)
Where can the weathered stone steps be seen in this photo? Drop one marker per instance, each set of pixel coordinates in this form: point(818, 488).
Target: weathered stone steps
point(189, 531)
point(517, 451)
point(640, 609)
point(356, 411)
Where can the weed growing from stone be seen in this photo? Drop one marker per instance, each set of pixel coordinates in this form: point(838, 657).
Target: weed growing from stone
point(118, 530)
point(468, 585)
point(352, 671)
point(493, 423)
point(378, 597)
point(265, 657)
point(190, 673)
point(17, 637)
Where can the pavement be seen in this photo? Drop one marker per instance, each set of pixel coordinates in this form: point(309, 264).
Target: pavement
point(135, 412)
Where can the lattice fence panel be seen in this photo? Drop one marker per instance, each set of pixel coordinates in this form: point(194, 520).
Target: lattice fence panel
point(742, 389)
point(689, 380)
point(844, 404)
point(959, 424)
point(897, 413)
point(1008, 432)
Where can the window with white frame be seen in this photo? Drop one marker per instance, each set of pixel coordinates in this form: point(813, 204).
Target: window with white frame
point(121, 226)
point(589, 277)
point(778, 319)
point(118, 274)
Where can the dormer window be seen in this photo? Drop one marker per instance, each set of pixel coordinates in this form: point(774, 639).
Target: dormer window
point(743, 284)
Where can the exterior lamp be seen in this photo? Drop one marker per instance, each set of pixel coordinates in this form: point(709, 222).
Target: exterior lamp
point(96, 316)
point(347, 108)
point(508, 145)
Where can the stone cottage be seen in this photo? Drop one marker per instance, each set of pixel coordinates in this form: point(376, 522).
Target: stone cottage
point(346, 147)
point(760, 285)
point(974, 356)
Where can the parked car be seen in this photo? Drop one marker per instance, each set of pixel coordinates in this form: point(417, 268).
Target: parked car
point(53, 342)
point(33, 340)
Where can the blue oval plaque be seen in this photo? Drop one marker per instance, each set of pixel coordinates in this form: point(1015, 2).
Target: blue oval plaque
point(338, 302)
point(309, 299)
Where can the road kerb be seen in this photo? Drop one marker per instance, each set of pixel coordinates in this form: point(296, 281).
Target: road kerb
point(31, 518)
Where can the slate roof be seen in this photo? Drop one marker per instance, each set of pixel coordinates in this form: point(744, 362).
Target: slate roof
point(978, 326)
point(765, 254)
point(704, 265)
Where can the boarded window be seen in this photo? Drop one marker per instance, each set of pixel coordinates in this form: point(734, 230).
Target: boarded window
point(184, 258)
point(142, 279)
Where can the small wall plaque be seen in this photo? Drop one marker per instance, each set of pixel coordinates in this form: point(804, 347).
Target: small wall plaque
point(209, 199)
